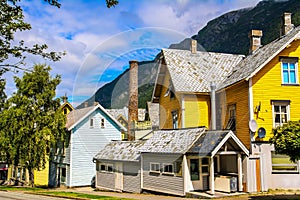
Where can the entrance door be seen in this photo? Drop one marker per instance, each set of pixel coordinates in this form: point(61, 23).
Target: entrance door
point(195, 173)
point(119, 177)
point(258, 184)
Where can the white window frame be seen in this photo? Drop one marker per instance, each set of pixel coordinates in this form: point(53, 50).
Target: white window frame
point(107, 166)
point(156, 170)
point(282, 171)
point(91, 122)
point(168, 164)
point(289, 60)
point(102, 122)
point(280, 103)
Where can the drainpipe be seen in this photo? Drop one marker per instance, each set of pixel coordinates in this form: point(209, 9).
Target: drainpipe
point(213, 105)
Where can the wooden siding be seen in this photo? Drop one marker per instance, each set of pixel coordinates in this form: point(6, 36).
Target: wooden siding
point(132, 177)
point(267, 86)
point(86, 142)
point(167, 105)
point(197, 110)
point(238, 95)
point(159, 182)
point(106, 180)
point(41, 177)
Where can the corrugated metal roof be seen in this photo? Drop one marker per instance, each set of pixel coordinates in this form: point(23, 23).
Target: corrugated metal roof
point(120, 151)
point(193, 72)
point(172, 141)
point(254, 62)
point(207, 142)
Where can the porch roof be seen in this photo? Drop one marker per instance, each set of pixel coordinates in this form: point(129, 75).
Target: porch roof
point(210, 142)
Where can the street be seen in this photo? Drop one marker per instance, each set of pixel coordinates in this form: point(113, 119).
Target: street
point(7, 195)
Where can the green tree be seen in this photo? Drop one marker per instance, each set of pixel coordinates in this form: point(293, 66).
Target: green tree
point(33, 122)
point(286, 140)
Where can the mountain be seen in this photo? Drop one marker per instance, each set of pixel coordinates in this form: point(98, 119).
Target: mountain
point(227, 33)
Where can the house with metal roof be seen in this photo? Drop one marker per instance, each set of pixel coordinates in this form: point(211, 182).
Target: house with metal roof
point(90, 128)
point(259, 94)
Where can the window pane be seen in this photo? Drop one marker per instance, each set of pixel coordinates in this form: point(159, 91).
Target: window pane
point(283, 109)
point(292, 65)
point(284, 118)
point(277, 118)
point(194, 168)
point(102, 167)
point(285, 77)
point(276, 108)
point(285, 65)
point(293, 77)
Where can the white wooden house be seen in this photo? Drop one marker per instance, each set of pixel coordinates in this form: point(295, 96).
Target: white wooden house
point(90, 128)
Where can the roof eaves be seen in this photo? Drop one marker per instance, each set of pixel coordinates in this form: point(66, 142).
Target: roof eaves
point(79, 120)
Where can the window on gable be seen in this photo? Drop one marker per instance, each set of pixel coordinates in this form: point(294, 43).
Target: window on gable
point(102, 123)
point(231, 124)
point(281, 112)
point(289, 70)
point(91, 122)
point(175, 119)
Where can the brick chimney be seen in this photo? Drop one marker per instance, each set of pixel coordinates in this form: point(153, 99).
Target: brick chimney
point(193, 46)
point(133, 99)
point(255, 40)
point(287, 25)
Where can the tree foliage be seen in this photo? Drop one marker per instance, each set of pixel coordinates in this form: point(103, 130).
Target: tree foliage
point(286, 140)
point(33, 122)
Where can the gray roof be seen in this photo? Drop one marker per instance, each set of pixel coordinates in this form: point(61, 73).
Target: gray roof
point(193, 72)
point(124, 112)
point(254, 62)
point(171, 141)
point(121, 151)
point(75, 115)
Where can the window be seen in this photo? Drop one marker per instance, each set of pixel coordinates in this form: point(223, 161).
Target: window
point(63, 175)
point(289, 70)
point(231, 124)
point(168, 168)
point(281, 112)
point(205, 165)
point(155, 167)
point(175, 119)
point(194, 169)
point(105, 167)
point(282, 164)
point(102, 123)
point(91, 122)
point(65, 111)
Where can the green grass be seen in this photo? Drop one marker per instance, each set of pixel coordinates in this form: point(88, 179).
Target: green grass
point(77, 195)
point(15, 188)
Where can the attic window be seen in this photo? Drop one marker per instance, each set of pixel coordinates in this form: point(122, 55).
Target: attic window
point(102, 123)
point(231, 124)
point(91, 122)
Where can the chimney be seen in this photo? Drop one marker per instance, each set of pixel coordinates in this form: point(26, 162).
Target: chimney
point(86, 104)
point(213, 105)
point(133, 98)
point(193, 46)
point(255, 40)
point(65, 99)
point(287, 25)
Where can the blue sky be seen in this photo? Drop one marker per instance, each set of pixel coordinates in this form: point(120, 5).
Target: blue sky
point(100, 42)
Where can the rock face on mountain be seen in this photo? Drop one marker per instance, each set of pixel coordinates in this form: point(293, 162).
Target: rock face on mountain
point(227, 33)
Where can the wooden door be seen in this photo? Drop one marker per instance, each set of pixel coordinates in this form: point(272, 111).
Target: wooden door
point(258, 181)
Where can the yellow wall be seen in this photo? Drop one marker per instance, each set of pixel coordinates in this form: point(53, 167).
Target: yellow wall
point(41, 177)
point(238, 95)
point(197, 110)
point(167, 105)
point(267, 86)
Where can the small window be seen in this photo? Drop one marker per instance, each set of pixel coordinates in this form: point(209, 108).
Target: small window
point(231, 124)
point(175, 119)
point(282, 164)
point(178, 168)
point(102, 123)
point(63, 175)
point(155, 167)
point(281, 112)
point(168, 168)
point(109, 167)
point(289, 70)
point(194, 169)
point(65, 111)
point(91, 122)
point(102, 167)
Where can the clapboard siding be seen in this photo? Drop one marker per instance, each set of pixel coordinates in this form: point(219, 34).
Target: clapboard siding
point(161, 182)
point(85, 144)
point(132, 177)
point(106, 180)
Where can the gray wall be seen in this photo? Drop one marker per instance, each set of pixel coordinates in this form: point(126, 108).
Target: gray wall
point(106, 180)
point(159, 182)
point(132, 177)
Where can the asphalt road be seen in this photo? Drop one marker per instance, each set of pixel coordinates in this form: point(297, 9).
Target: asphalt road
point(7, 195)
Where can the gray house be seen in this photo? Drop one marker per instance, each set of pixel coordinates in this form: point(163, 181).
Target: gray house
point(179, 161)
point(118, 166)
